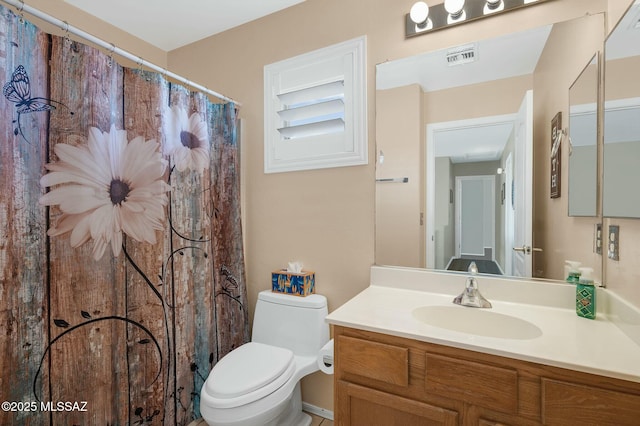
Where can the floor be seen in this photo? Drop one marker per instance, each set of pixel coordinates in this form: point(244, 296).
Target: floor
point(316, 421)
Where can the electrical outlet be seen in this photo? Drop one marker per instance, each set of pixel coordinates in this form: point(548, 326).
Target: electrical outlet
point(614, 242)
point(598, 238)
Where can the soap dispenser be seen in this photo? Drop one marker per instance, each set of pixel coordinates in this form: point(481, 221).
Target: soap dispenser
point(572, 271)
point(586, 294)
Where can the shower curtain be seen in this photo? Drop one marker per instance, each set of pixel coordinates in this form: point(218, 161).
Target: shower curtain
point(121, 264)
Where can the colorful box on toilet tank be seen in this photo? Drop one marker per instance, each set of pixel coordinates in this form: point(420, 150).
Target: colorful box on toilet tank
point(302, 284)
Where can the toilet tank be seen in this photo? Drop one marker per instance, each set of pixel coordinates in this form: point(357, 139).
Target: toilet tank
point(292, 322)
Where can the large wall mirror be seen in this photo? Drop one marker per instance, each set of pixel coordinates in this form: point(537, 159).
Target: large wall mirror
point(583, 132)
point(621, 197)
point(456, 131)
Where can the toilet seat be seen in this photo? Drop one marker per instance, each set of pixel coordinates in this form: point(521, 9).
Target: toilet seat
point(248, 373)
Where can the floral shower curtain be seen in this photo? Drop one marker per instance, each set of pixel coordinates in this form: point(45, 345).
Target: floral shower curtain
point(121, 264)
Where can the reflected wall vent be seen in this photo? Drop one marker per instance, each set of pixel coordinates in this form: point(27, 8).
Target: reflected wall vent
point(462, 55)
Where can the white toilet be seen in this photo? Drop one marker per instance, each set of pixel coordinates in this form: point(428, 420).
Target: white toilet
point(258, 384)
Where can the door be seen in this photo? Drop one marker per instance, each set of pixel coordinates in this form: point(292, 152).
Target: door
point(521, 191)
point(475, 215)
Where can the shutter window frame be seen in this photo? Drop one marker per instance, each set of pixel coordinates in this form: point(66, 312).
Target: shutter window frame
point(315, 109)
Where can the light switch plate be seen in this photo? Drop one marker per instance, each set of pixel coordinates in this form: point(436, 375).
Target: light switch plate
point(614, 242)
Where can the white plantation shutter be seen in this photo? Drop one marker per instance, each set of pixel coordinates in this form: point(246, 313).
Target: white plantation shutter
point(315, 109)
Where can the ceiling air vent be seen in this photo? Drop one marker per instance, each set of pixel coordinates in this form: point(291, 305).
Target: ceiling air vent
point(462, 55)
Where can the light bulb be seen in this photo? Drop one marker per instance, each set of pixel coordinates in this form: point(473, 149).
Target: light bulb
point(419, 12)
point(492, 6)
point(454, 7)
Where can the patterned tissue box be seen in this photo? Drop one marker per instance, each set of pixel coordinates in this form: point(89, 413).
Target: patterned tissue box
point(302, 284)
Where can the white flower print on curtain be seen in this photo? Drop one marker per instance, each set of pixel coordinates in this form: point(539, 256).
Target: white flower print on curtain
point(123, 173)
point(187, 140)
point(107, 187)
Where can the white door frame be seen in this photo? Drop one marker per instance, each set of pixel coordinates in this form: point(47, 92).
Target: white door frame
point(432, 133)
point(523, 176)
point(509, 219)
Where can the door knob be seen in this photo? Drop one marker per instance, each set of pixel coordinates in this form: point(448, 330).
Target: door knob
point(526, 249)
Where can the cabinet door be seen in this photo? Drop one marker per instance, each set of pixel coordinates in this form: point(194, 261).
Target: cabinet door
point(358, 405)
point(570, 404)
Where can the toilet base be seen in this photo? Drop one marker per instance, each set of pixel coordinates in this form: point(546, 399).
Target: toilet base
point(293, 414)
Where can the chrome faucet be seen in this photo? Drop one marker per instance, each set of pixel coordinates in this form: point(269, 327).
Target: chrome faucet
point(471, 295)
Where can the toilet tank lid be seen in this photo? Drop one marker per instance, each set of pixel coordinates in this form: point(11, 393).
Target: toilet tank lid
point(313, 301)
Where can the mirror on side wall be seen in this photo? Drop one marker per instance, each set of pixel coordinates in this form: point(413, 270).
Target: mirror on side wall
point(583, 140)
point(621, 197)
point(474, 105)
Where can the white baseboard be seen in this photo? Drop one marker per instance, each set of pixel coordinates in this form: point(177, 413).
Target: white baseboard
point(318, 411)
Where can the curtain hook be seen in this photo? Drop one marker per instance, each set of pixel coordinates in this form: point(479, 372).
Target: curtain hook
point(21, 12)
point(66, 31)
point(111, 52)
point(140, 65)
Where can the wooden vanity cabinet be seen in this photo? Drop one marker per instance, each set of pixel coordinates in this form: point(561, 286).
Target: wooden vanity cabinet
point(383, 380)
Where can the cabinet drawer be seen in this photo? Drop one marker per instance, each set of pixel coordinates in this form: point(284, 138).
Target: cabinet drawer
point(379, 361)
point(359, 405)
point(565, 403)
point(480, 384)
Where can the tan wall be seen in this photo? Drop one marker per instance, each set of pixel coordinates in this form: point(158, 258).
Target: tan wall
point(331, 226)
point(566, 53)
point(399, 234)
point(478, 100)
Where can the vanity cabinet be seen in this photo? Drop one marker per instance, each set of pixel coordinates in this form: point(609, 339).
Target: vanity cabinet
point(387, 380)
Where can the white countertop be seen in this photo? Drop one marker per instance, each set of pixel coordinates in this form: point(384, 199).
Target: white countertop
point(594, 346)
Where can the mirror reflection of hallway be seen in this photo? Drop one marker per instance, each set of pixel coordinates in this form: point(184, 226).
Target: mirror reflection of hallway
point(467, 150)
point(475, 224)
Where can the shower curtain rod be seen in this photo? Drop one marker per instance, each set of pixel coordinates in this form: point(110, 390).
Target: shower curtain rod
point(110, 47)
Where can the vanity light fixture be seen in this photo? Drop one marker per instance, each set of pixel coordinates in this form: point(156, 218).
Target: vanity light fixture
point(423, 19)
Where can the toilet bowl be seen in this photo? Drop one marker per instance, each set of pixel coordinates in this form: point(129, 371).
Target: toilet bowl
point(258, 383)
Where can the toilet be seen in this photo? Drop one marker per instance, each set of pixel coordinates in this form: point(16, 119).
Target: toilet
point(258, 383)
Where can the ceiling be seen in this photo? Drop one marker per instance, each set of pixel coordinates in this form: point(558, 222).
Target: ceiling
point(515, 54)
point(168, 24)
point(511, 55)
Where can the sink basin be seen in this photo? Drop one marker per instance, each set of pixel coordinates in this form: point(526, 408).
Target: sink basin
point(477, 321)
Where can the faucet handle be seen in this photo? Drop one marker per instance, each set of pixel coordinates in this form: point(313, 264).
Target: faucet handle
point(473, 268)
point(471, 296)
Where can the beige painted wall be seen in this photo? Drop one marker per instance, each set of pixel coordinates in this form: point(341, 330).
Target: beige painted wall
point(496, 97)
point(331, 226)
point(561, 237)
point(399, 232)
